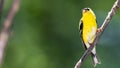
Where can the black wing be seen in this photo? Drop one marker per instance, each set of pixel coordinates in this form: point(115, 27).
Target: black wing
point(80, 26)
point(80, 30)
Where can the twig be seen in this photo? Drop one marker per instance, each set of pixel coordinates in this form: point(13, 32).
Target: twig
point(102, 28)
point(6, 30)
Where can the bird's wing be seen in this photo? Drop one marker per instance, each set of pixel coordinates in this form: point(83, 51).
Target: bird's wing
point(81, 30)
point(80, 26)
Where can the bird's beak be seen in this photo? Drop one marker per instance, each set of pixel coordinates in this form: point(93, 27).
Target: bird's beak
point(84, 11)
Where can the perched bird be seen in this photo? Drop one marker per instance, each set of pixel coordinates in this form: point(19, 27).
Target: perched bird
point(88, 29)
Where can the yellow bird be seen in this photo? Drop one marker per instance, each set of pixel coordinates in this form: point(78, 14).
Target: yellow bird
point(88, 29)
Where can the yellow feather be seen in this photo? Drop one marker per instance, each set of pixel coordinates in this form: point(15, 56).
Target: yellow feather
point(89, 26)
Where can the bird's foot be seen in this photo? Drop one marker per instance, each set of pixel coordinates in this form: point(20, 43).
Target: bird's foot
point(99, 30)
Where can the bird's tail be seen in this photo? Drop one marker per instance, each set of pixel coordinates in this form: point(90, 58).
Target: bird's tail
point(95, 59)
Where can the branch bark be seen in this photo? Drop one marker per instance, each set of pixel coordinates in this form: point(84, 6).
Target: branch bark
point(102, 28)
point(6, 29)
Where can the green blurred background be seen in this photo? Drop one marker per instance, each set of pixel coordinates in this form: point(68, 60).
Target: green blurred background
point(45, 34)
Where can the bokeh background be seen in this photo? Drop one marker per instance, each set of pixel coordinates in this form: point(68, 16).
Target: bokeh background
point(45, 34)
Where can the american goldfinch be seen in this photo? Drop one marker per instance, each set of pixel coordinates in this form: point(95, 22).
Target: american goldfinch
point(88, 29)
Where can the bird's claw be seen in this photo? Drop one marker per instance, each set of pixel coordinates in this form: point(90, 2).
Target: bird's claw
point(99, 30)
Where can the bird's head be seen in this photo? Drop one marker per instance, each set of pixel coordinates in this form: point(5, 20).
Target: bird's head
point(87, 11)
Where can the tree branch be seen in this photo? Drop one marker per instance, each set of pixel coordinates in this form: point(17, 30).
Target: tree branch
point(102, 28)
point(6, 30)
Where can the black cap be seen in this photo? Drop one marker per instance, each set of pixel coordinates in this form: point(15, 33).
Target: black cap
point(86, 9)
